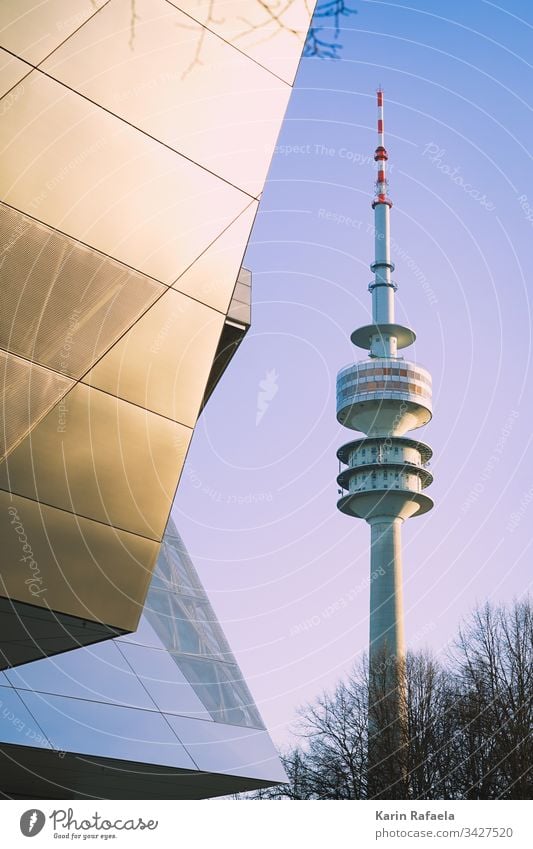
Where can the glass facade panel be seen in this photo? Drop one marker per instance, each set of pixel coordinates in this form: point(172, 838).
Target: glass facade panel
point(99, 673)
point(142, 204)
point(175, 570)
point(164, 681)
point(143, 636)
point(163, 363)
point(201, 614)
point(201, 97)
point(16, 723)
point(105, 730)
point(222, 748)
point(178, 617)
point(151, 703)
point(185, 624)
point(222, 689)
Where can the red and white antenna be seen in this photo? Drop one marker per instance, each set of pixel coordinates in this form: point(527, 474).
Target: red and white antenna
point(381, 125)
point(381, 157)
point(384, 399)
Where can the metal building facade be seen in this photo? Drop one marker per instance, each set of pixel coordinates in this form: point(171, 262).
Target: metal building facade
point(137, 138)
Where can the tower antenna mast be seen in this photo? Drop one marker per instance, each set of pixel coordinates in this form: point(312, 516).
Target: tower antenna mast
point(383, 482)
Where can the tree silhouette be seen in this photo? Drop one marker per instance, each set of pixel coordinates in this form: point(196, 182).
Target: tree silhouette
point(469, 723)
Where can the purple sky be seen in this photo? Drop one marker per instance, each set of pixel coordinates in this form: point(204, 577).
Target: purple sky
point(257, 500)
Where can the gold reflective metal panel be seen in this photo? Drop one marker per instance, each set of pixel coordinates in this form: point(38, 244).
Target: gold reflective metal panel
point(167, 75)
point(270, 32)
point(79, 169)
point(33, 28)
point(212, 277)
point(27, 393)
point(87, 569)
point(11, 71)
point(102, 458)
point(164, 361)
point(63, 305)
point(236, 326)
point(132, 159)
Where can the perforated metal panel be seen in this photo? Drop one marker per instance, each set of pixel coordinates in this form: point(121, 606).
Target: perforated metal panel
point(61, 303)
point(27, 393)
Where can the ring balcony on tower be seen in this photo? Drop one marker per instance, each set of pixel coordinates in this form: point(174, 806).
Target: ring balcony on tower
point(400, 336)
point(384, 476)
point(384, 396)
point(364, 337)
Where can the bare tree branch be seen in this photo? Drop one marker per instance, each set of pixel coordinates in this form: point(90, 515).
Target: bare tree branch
point(469, 723)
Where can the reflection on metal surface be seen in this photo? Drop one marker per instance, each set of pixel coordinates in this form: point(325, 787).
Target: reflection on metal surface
point(32, 29)
point(139, 170)
point(63, 305)
point(220, 110)
point(102, 458)
point(27, 393)
point(211, 278)
point(170, 695)
point(11, 71)
point(81, 170)
point(54, 534)
point(83, 568)
point(271, 33)
point(164, 361)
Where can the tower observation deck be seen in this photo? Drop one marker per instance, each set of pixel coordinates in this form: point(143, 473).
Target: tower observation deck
point(384, 473)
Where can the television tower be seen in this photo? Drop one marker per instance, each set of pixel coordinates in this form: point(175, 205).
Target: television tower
point(385, 473)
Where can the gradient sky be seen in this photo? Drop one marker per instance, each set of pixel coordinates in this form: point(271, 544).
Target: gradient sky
point(257, 501)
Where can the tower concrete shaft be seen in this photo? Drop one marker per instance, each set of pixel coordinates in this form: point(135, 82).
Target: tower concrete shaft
point(383, 480)
point(386, 592)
